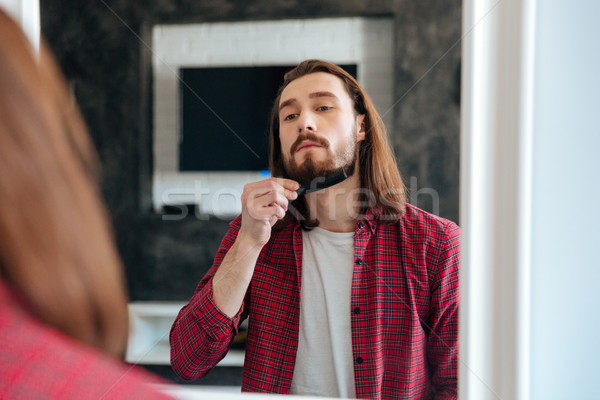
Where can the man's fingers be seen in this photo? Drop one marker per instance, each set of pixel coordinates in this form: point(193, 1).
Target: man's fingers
point(272, 185)
point(262, 207)
point(277, 198)
point(291, 194)
point(269, 198)
point(287, 184)
point(267, 212)
point(277, 210)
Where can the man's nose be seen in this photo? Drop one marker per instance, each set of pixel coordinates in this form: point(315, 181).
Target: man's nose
point(306, 123)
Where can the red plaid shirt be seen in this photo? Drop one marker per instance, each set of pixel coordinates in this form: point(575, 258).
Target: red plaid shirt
point(38, 362)
point(404, 311)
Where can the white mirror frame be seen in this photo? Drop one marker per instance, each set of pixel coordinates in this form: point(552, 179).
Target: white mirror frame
point(495, 204)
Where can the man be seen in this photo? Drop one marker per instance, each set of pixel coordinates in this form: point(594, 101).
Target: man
point(350, 291)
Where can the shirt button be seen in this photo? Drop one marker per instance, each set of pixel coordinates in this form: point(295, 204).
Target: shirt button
point(356, 310)
point(359, 261)
point(361, 225)
point(359, 360)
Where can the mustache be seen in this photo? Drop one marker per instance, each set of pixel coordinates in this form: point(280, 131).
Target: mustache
point(309, 136)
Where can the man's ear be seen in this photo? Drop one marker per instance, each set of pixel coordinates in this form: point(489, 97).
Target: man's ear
point(360, 122)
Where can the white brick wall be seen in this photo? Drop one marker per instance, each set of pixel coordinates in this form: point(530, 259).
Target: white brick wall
point(367, 42)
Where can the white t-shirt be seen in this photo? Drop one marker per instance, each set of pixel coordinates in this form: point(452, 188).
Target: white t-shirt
point(324, 362)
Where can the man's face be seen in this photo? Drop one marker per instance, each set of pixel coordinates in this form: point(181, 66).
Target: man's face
point(318, 127)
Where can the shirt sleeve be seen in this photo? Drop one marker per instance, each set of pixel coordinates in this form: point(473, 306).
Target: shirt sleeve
point(442, 345)
point(202, 334)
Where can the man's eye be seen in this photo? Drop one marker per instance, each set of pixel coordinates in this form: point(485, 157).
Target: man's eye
point(289, 117)
point(323, 108)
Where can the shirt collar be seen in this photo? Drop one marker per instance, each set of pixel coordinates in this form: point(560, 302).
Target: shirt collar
point(369, 220)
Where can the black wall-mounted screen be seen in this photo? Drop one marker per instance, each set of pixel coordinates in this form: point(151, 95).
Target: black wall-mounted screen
point(224, 118)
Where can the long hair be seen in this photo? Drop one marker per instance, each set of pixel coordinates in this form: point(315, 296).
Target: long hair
point(57, 253)
point(383, 189)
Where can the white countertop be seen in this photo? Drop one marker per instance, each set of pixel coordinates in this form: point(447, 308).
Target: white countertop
point(224, 393)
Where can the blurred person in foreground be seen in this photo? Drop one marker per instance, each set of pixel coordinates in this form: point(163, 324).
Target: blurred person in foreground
point(63, 307)
point(349, 291)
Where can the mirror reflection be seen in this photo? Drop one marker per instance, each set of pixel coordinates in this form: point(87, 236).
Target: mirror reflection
point(335, 286)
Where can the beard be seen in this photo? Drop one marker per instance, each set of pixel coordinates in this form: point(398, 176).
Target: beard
point(310, 169)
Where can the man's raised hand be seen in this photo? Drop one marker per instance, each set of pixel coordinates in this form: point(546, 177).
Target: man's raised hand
point(263, 204)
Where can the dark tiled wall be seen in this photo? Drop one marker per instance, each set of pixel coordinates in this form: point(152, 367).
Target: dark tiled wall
point(101, 46)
